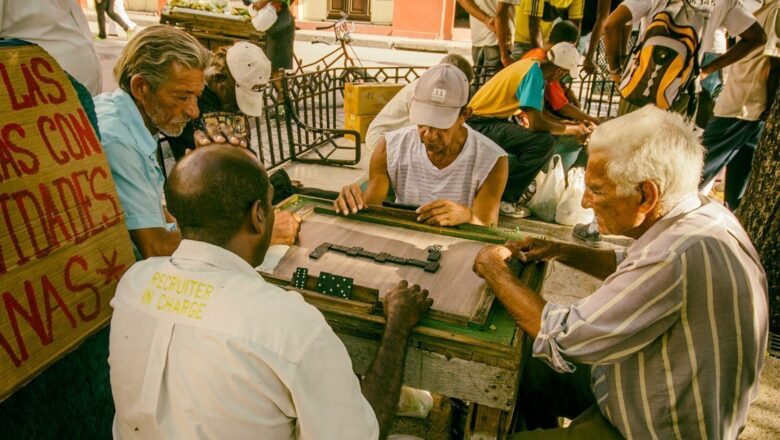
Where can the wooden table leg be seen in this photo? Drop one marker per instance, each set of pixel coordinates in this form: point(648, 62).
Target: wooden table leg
point(486, 423)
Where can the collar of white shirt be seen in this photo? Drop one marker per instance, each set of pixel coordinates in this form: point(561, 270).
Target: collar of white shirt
point(221, 258)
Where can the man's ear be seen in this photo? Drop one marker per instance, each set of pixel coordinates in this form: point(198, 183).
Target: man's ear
point(139, 87)
point(649, 192)
point(259, 223)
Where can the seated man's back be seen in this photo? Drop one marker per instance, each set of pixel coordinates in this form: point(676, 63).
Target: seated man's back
point(203, 347)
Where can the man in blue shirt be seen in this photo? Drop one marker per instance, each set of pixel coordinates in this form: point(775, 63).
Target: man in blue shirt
point(160, 74)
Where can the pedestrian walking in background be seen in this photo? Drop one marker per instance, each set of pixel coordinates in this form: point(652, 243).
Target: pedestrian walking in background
point(103, 7)
point(119, 8)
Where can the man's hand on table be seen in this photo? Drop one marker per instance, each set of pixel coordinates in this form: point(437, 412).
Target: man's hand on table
point(405, 305)
point(534, 249)
point(495, 257)
point(286, 228)
point(491, 258)
point(443, 213)
point(219, 134)
point(350, 200)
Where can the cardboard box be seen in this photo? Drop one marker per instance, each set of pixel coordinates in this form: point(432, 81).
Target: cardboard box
point(368, 98)
point(63, 241)
point(358, 123)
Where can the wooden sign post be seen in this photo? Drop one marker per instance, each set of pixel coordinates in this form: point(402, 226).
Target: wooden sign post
point(63, 241)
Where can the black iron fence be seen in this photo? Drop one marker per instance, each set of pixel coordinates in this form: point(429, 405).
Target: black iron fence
point(303, 118)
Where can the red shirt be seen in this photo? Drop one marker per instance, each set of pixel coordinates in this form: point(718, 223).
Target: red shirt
point(553, 90)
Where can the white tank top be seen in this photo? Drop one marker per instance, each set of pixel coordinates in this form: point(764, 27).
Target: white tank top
point(416, 181)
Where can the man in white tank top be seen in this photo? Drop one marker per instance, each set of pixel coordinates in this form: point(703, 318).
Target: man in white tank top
point(450, 173)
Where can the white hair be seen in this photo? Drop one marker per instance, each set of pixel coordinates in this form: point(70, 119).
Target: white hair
point(651, 144)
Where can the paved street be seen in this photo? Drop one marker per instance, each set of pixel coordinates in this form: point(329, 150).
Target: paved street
point(109, 49)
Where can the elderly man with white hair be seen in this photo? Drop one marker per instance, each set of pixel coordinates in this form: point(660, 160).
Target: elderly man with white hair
point(672, 344)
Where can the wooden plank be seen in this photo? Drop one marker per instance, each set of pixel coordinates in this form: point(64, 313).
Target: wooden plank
point(482, 311)
point(473, 232)
point(457, 292)
point(63, 248)
point(473, 381)
point(486, 423)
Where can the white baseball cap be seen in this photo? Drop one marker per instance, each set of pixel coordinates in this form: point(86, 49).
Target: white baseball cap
point(565, 56)
point(438, 97)
point(251, 70)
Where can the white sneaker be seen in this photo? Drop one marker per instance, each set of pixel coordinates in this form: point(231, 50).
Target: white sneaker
point(514, 210)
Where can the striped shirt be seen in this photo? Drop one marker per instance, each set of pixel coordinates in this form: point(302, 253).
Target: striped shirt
point(416, 181)
point(677, 334)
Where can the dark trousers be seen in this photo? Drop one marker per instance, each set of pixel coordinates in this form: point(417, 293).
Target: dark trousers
point(544, 394)
point(730, 143)
point(279, 41)
point(107, 7)
point(532, 150)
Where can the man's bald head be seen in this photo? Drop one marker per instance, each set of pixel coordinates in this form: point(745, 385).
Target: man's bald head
point(212, 191)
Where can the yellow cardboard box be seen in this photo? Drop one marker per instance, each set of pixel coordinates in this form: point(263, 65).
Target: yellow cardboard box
point(358, 123)
point(368, 98)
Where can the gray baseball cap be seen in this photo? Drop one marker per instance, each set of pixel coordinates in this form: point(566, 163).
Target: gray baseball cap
point(438, 97)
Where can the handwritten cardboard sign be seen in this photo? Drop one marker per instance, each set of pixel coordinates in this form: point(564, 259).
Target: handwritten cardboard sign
point(63, 241)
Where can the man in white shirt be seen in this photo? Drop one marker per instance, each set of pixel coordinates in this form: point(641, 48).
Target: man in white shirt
point(732, 134)
point(492, 24)
point(60, 28)
point(395, 114)
point(202, 346)
point(447, 172)
point(710, 15)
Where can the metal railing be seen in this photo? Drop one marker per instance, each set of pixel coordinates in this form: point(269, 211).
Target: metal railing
point(303, 118)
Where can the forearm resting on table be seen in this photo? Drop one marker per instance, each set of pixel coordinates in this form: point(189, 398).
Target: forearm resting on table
point(596, 262)
point(382, 384)
point(522, 303)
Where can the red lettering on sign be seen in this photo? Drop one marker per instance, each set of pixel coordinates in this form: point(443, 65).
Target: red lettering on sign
point(73, 131)
point(104, 196)
point(4, 199)
point(10, 351)
point(11, 152)
point(25, 200)
point(37, 222)
point(37, 64)
point(84, 133)
point(31, 315)
point(74, 288)
point(33, 88)
point(16, 104)
point(53, 217)
point(64, 188)
point(26, 168)
point(49, 293)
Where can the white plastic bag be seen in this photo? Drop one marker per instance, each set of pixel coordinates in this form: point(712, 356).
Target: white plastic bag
point(264, 18)
point(545, 201)
point(570, 211)
point(414, 403)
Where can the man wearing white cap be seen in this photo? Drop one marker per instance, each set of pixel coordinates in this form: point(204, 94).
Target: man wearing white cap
point(161, 75)
point(517, 89)
point(448, 172)
point(234, 90)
